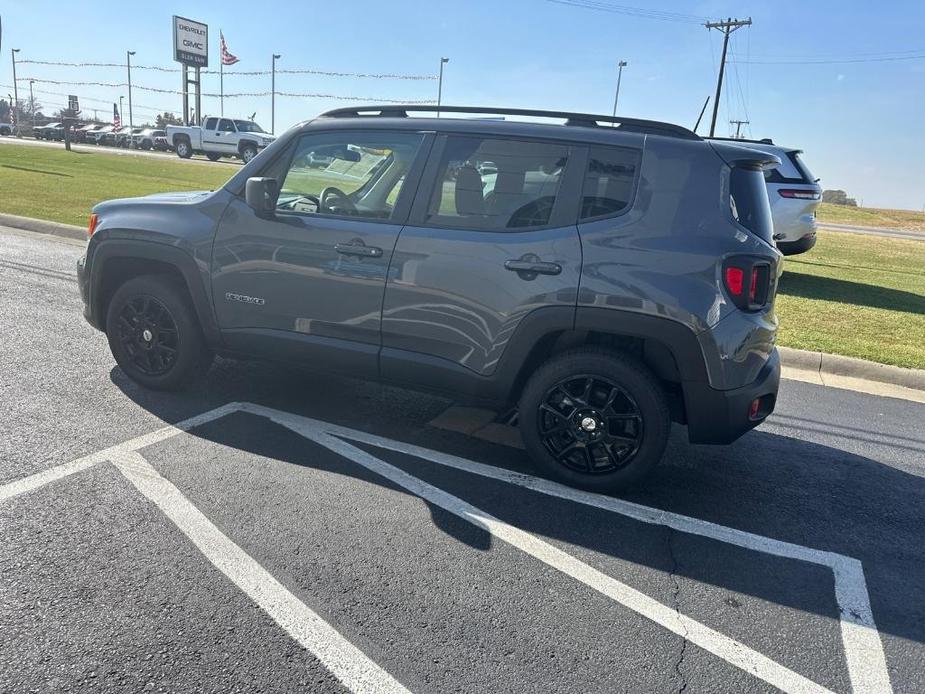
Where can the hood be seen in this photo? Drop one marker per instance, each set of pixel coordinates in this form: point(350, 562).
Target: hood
point(178, 198)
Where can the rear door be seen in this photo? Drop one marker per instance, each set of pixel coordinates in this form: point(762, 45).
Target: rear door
point(492, 237)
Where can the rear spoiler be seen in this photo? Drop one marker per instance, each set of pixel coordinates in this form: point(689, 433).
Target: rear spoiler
point(750, 157)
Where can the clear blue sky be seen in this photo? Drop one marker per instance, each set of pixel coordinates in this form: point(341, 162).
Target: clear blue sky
point(860, 123)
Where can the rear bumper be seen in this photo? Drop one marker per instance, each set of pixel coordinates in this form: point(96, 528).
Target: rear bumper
point(722, 416)
point(797, 247)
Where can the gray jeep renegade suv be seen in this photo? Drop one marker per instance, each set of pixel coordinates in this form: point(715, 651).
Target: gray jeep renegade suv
point(607, 275)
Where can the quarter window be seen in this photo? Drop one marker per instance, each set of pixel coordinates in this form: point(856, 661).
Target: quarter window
point(348, 174)
point(609, 181)
point(496, 184)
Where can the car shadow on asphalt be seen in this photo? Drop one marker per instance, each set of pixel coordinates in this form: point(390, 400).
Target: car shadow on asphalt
point(768, 484)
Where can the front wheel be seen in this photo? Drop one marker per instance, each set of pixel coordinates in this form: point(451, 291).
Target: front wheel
point(154, 334)
point(184, 149)
point(594, 418)
point(248, 153)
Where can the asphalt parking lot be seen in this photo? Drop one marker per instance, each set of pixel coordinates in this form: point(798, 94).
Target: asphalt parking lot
point(273, 531)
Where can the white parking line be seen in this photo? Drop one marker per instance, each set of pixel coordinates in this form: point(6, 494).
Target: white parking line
point(730, 650)
point(863, 648)
point(344, 660)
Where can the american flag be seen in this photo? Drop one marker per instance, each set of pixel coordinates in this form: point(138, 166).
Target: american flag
point(227, 58)
point(116, 120)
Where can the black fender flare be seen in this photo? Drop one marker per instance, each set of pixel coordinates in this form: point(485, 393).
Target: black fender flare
point(178, 258)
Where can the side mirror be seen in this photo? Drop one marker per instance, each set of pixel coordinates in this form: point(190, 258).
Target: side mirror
point(261, 193)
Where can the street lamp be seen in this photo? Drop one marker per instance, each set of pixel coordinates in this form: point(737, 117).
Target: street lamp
point(32, 105)
point(128, 65)
point(13, 52)
point(443, 61)
point(276, 56)
point(620, 65)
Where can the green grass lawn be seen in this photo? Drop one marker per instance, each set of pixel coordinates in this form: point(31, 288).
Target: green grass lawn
point(910, 220)
point(858, 296)
point(62, 186)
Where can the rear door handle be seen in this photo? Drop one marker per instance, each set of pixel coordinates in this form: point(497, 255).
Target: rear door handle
point(358, 249)
point(534, 267)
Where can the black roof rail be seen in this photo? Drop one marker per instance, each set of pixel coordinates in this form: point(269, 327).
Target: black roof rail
point(762, 141)
point(571, 119)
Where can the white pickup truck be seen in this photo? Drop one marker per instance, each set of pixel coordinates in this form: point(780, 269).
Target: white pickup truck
point(219, 137)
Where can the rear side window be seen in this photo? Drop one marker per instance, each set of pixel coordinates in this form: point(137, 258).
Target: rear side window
point(748, 202)
point(609, 182)
point(496, 184)
point(211, 123)
point(792, 169)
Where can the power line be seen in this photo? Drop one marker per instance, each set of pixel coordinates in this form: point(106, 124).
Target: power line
point(640, 12)
point(833, 62)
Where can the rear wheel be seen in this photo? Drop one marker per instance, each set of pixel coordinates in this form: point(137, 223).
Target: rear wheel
point(154, 334)
point(594, 418)
point(184, 150)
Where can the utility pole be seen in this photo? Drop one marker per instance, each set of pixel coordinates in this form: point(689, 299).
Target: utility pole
point(13, 52)
point(738, 124)
point(32, 105)
point(276, 56)
point(616, 97)
point(128, 65)
point(727, 28)
point(443, 61)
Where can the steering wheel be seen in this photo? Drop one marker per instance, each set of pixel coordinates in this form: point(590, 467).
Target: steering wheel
point(342, 201)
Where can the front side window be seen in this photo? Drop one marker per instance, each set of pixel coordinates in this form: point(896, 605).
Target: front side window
point(348, 174)
point(610, 181)
point(496, 184)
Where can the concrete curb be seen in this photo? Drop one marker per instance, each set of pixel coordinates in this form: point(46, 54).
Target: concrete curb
point(836, 365)
point(40, 226)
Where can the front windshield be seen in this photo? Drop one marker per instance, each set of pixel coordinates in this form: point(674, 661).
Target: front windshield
point(246, 126)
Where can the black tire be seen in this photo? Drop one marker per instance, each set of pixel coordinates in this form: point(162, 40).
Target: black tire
point(248, 152)
point(184, 148)
point(174, 328)
point(623, 442)
point(213, 156)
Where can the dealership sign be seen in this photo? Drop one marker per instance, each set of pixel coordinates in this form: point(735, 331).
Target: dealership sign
point(190, 42)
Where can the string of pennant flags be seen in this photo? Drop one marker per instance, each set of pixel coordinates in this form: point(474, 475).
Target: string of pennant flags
point(157, 90)
point(243, 73)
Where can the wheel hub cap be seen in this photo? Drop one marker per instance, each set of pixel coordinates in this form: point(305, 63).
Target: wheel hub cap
point(147, 335)
point(588, 424)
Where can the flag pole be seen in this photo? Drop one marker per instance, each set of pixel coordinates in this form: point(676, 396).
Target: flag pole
point(221, 74)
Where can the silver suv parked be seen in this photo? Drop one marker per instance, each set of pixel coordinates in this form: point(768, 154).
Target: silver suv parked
point(606, 280)
point(794, 194)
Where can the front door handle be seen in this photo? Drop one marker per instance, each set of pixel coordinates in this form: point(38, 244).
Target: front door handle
point(533, 267)
point(358, 249)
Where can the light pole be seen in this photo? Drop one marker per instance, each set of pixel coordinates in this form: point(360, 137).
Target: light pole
point(128, 65)
point(32, 104)
point(13, 52)
point(276, 56)
point(616, 97)
point(443, 61)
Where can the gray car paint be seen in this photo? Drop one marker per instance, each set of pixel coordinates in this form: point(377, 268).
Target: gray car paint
point(660, 258)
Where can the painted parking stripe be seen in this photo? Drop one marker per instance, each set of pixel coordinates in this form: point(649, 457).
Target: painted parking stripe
point(864, 654)
point(344, 660)
point(863, 649)
point(40, 479)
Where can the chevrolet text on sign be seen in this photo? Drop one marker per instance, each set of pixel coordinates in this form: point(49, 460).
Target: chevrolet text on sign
point(190, 42)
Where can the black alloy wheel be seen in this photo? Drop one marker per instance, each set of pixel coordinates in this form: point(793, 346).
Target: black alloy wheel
point(590, 424)
point(149, 336)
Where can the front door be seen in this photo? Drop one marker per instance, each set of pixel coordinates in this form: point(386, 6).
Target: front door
point(493, 241)
point(310, 278)
point(219, 135)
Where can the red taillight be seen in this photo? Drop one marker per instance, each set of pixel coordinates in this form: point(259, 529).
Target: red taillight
point(735, 280)
point(753, 408)
point(757, 272)
point(94, 221)
point(798, 194)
